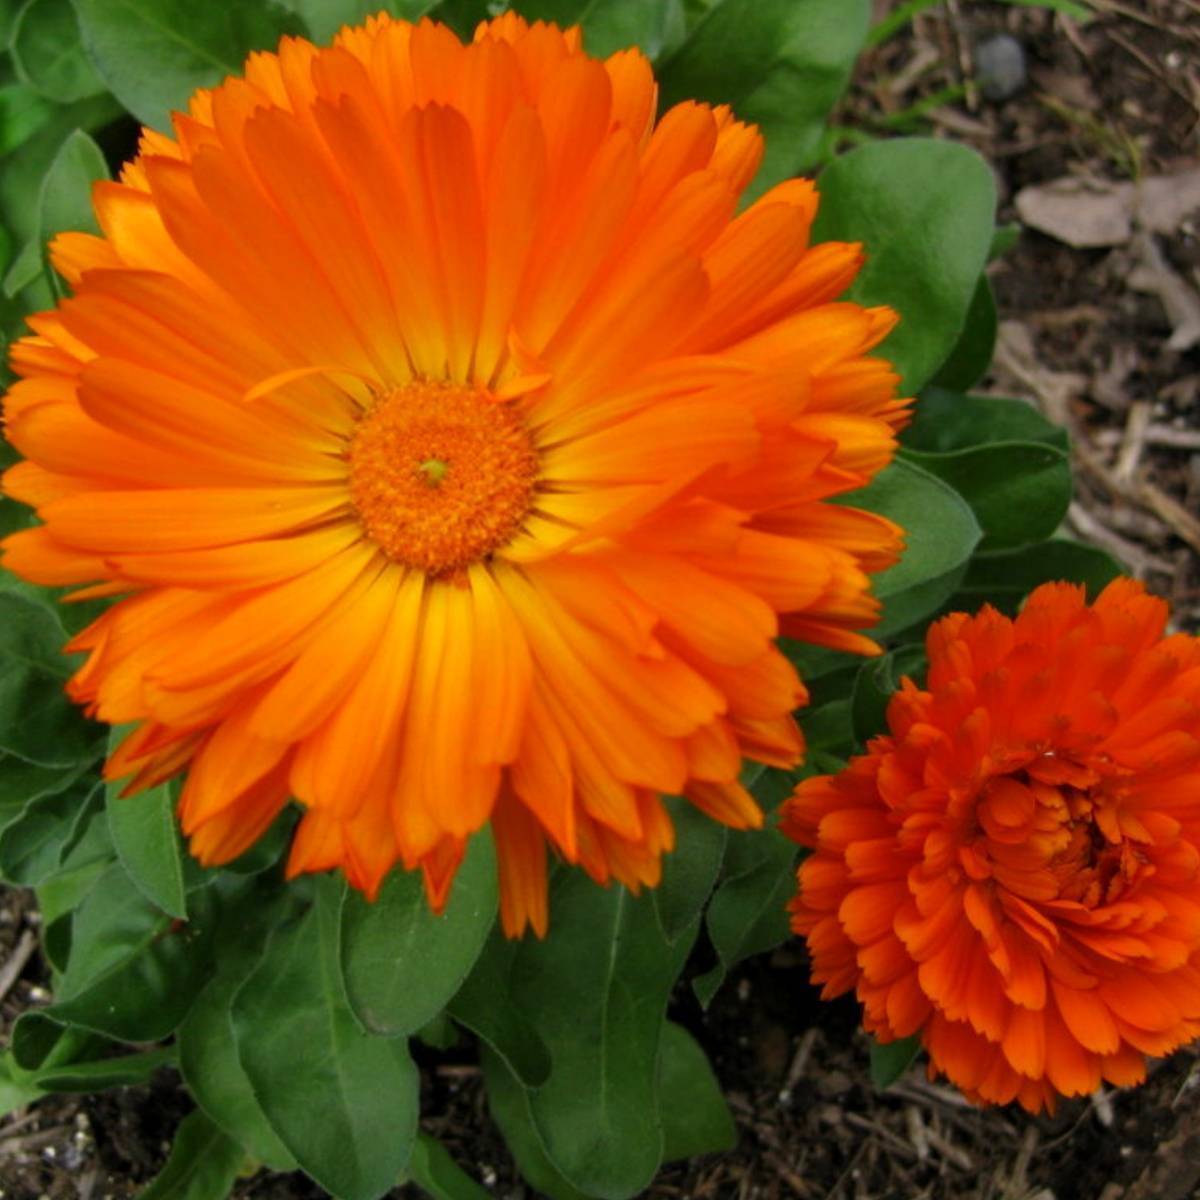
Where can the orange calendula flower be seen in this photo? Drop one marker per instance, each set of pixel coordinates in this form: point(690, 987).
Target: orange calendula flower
point(1015, 872)
point(458, 453)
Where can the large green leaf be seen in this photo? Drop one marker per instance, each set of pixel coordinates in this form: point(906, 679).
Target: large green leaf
point(690, 870)
point(37, 721)
point(1018, 491)
point(596, 989)
point(48, 53)
point(781, 64)
point(924, 211)
point(401, 962)
point(610, 25)
point(96, 1075)
point(748, 913)
point(941, 533)
point(343, 1102)
point(154, 54)
point(203, 1164)
point(147, 839)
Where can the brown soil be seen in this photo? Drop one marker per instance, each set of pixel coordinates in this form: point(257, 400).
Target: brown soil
point(1117, 99)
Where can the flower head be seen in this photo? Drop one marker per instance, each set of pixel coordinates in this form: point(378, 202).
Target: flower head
point(457, 454)
point(1015, 871)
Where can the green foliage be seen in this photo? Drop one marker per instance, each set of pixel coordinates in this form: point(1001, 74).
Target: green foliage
point(781, 64)
point(146, 837)
point(153, 54)
point(611, 25)
point(203, 1163)
point(48, 54)
point(890, 1060)
point(747, 914)
point(438, 1175)
point(401, 963)
point(923, 211)
point(343, 1103)
point(695, 1117)
point(941, 533)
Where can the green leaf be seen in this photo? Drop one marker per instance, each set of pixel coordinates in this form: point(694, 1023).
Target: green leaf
point(64, 202)
point(924, 212)
point(436, 1173)
point(402, 964)
point(37, 721)
point(16, 1090)
point(24, 171)
point(890, 1061)
point(504, 1027)
point(48, 53)
point(203, 1164)
point(696, 1119)
point(781, 64)
point(611, 25)
point(344, 1103)
point(36, 844)
point(324, 18)
point(22, 113)
point(748, 913)
point(690, 870)
point(968, 362)
point(944, 421)
point(461, 15)
point(1004, 579)
point(941, 533)
point(154, 54)
point(208, 1058)
point(509, 1104)
point(596, 989)
point(878, 679)
point(133, 972)
point(1018, 491)
point(122, 1071)
point(147, 839)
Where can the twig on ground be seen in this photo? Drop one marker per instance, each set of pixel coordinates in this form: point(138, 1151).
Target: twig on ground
point(10, 972)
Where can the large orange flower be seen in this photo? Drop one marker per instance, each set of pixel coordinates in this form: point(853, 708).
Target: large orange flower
point(455, 449)
point(1015, 871)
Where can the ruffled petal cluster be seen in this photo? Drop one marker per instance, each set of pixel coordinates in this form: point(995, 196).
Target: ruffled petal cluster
point(457, 451)
point(1014, 872)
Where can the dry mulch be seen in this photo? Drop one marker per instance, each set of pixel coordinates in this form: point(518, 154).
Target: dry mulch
point(1105, 338)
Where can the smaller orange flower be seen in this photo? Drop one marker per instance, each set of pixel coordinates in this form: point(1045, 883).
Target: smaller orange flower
point(1014, 872)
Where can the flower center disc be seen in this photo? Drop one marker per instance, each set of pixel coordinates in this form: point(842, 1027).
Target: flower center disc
point(441, 475)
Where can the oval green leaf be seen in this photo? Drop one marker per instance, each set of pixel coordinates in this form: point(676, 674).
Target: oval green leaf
point(402, 964)
point(924, 211)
